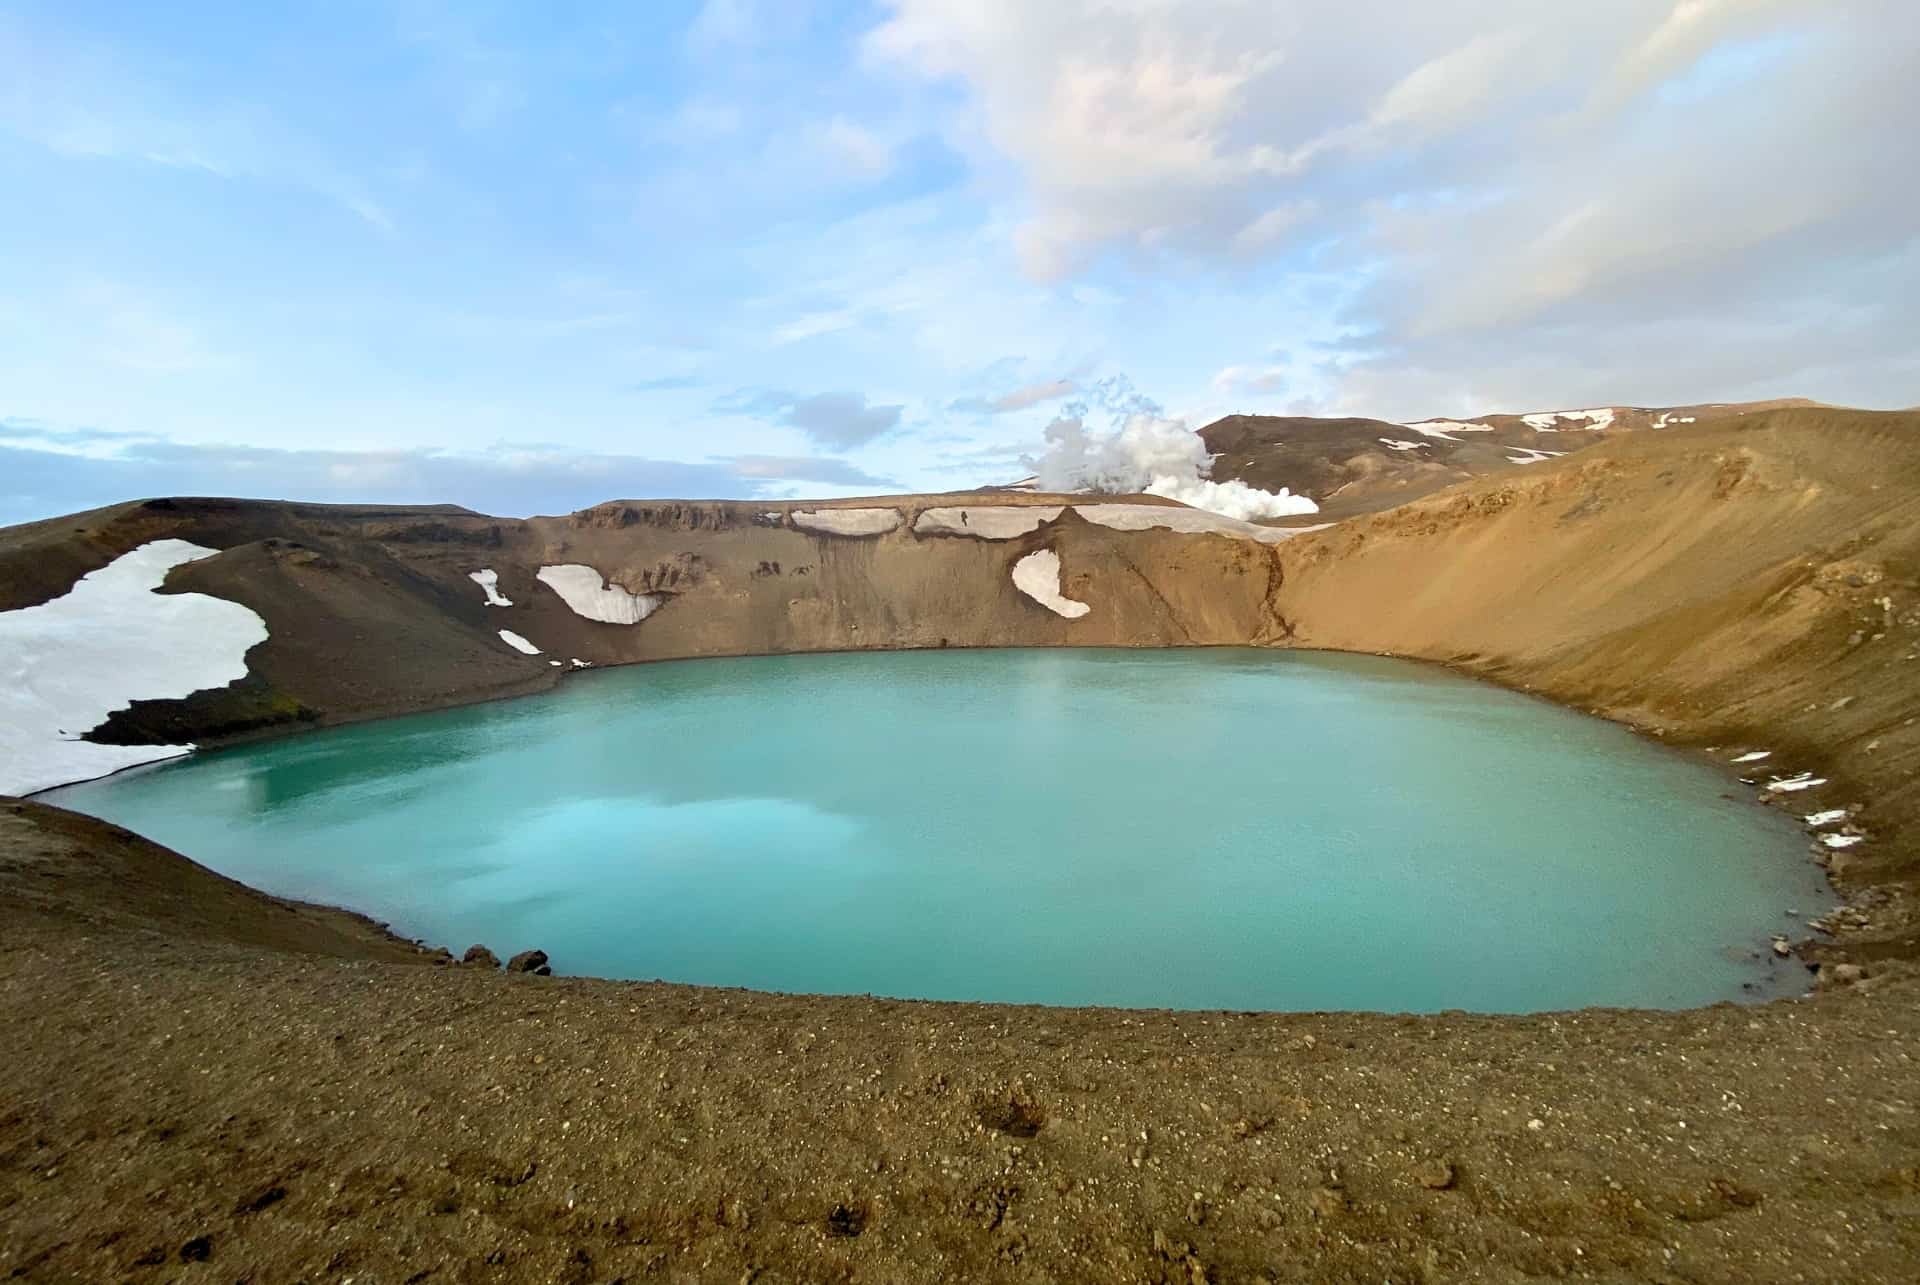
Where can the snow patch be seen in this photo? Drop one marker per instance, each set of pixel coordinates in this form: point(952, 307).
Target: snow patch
point(1444, 429)
point(1038, 576)
point(1548, 421)
point(1794, 784)
point(490, 582)
point(1668, 417)
point(518, 643)
point(853, 522)
point(110, 640)
point(1140, 517)
point(987, 522)
point(587, 592)
point(554, 663)
point(1528, 455)
point(1009, 521)
point(1754, 756)
point(1838, 841)
point(1395, 444)
point(1833, 816)
point(577, 663)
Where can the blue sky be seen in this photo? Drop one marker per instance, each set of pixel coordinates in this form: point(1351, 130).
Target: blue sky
point(530, 257)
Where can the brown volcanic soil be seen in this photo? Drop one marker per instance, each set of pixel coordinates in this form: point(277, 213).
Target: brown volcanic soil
point(370, 611)
point(202, 1084)
point(1347, 466)
point(1752, 583)
point(173, 1090)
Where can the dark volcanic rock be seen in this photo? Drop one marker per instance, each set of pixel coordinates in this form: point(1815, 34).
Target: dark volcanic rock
point(477, 954)
point(530, 961)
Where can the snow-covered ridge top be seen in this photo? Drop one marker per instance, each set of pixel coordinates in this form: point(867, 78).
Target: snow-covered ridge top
point(1444, 429)
point(1140, 517)
point(853, 522)
point(587, 592)
point(1010, 521)
point(1038, 576)
point(986, 521)
point(1548, 421)
point(68, 664)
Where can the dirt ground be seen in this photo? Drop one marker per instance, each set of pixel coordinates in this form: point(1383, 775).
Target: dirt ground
point(178, 1103)
point(199, 1083)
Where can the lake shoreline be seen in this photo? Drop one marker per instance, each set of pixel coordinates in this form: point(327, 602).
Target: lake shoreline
point(301, 1114)
point(1398, 705)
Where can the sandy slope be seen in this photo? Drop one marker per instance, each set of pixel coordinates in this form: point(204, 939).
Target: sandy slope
point(193, 1069)
point(1753, 583)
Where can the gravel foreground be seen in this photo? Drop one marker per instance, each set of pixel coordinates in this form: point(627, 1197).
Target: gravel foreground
point(200, 1083)
point(203, 1084)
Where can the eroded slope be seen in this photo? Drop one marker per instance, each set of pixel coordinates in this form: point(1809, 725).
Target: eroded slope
point(1355, 466)
point(1753, 584)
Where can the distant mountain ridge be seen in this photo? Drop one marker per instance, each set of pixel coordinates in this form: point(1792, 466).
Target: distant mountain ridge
point(1351, 466)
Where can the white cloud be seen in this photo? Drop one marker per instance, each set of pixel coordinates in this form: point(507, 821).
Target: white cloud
point(700, 122)
point(1022, 398)
point(837, 420)
point(1452, 88)
point(1251, 379)
point(811, 325)
point(1268, 230)
point(81, 101)
point(1689, 29)
point(1119, 117)
point(855, 148)
point(1508, 175)
point(723, 22)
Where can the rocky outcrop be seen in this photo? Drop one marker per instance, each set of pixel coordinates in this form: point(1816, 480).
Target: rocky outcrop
point(533, 962)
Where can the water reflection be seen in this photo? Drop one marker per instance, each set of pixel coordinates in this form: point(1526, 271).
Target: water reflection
point(1207, 828)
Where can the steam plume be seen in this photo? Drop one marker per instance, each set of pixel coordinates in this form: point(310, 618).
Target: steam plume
point(1150, 454)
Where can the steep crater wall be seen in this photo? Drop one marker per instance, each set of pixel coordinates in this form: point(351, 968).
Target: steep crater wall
point(1750, 584)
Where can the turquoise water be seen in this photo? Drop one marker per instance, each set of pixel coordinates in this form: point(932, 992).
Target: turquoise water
point(1192, 829)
